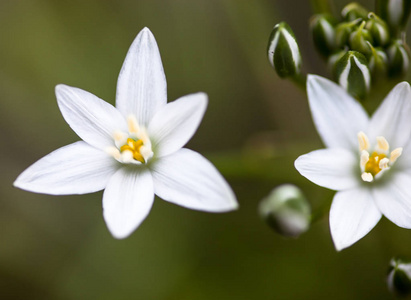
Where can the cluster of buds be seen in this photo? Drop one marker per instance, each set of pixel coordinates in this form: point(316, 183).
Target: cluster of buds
point(360, 46)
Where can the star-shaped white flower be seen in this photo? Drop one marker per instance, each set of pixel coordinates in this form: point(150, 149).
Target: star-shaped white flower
point(367, 160)
point(133, 150)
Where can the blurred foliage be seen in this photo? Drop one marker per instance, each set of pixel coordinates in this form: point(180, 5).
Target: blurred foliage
point(254, 128)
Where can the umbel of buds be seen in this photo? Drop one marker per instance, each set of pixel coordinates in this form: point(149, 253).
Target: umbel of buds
point(364, 45)
point(283, 52)
point(286, 210)
point(399, 276)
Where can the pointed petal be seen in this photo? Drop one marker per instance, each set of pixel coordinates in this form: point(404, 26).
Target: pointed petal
point(142, 86)
point(392, 119)
point(174, 125)
point(127, 200)
point(353, 214)
point(337, 116)
point(77, 168)
point(186, 178)
point(330, 168)
point(93, 119)
point(394, 199)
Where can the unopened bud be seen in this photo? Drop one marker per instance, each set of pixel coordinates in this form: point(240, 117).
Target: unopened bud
point(322, 29)
point(353, 75)
point(378, 30)
point(359, 38)
point(399, 276)
point(378, 63)
point(343, 32)
point(398, 59)
point(394, 12)
point(333, 59)
point(354, 11)
point(286, 210)
point(283, 52)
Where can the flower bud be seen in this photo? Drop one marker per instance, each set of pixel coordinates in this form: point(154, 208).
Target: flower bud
point(378, 63)
point(399, 276)
point(378, 30)
point(398, 59)
point(333, 59)
point(353, 75)
point(286, 210)
point(358, 39)
point(395, 12)
point(343, 31)
point(283, 52)
point(322, 29)
point(354, 11)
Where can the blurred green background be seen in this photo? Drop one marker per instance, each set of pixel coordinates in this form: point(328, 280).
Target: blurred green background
point(255, 126)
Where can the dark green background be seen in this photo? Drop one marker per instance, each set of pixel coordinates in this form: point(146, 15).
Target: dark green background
point(256, 125)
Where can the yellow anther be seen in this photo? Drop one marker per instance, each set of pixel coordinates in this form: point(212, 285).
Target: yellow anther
point(373, 164)
point(382, 144)
point(132, 124)
point(133, 147)
point(363, 141)
point(395, 154)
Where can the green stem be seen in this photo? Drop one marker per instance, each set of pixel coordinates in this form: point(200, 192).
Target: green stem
point(321, 6)
point(300, 81)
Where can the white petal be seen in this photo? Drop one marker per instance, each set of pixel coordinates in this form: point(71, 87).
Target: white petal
point(127, 200)
point(336, 169)
point(353, 214)
point(93, 119)
point(393, 198)
point(74, 169)
point(337, 116)
point(392, 119)
point(174, 125)
point(186, 178)
point(141, 85)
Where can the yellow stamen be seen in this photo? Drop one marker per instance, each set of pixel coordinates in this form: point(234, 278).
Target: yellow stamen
point(382, 144)
point(367, 177)
point(373, 164)
point(365, 156)
point(132, 124)
point(133, 147)
point(363, 141)
point(395, 154)
point(384, 163)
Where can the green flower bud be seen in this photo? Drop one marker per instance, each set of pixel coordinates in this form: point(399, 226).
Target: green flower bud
point(378, 63)
point(398, 59)
point(354, 11)
point(358, 40)
point(343, 31)
point(399, 277)
point(322, 29)
point(286, 210)
point(378, 30)
point(333, 59)
point(283, 52)
point(352, 74)
point(395, 12)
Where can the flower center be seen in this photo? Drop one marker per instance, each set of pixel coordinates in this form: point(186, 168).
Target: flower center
point(133, 147)
point(374, 165)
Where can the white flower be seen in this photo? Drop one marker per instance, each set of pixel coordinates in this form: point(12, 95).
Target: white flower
point(367, 160)
point(132, 151)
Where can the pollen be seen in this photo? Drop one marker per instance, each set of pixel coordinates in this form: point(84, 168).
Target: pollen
point(374, 164)
point(132, 146)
